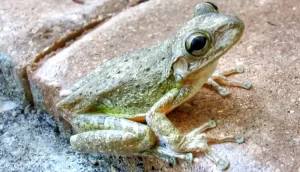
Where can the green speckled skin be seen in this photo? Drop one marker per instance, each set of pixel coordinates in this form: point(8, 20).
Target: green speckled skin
point(151, 82)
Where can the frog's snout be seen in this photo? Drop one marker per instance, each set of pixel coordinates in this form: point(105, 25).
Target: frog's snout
point(229, 32)
point(238, 23)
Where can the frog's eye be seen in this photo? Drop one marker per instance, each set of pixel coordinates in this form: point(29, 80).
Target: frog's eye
point(197, 43)
point(213, 5)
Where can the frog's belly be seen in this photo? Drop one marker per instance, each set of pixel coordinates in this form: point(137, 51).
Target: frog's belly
point(129, 106)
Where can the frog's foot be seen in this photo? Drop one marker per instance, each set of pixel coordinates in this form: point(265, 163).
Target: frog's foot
point(196, 141)
point(218, 78)
point(166, 154)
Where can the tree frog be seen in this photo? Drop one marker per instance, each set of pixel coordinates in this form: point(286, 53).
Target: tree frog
point(111, 103)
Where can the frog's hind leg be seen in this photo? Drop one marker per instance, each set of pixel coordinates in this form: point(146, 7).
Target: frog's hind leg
point(221, 77)
point(107, 134)
point(117, 136)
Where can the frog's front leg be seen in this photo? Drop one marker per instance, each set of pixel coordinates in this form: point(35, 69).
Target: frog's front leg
point(117, 136)
point(194, 141)
point(221, 77)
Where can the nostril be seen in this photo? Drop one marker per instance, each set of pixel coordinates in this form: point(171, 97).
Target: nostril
point(231, 25)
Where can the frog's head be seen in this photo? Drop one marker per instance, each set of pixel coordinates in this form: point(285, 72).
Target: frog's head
point(205, 38)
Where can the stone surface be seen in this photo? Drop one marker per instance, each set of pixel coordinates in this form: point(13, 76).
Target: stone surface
point(28, 27)
point(268, 115)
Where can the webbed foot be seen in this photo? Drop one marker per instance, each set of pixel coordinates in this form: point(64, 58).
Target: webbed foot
point(218, 78)
point(196, 141)
point(167, 155)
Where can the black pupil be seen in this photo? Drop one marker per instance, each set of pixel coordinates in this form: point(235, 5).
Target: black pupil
point(198, 43)
point(213, 5)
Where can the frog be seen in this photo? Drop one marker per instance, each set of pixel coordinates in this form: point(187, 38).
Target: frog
point(120, 108)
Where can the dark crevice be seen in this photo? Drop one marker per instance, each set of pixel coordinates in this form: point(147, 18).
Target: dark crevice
point(26, 84)
point(137, 2)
